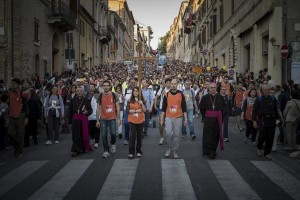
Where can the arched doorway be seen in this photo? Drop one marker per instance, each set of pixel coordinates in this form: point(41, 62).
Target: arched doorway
point(55, 50)
point(37, 64)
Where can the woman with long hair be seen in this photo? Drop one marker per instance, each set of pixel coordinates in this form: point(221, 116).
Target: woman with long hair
point(247, 116)
point(120, 96)
point(136, 118)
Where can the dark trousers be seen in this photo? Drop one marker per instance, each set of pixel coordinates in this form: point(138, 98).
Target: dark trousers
point(250, 130)
point(94, 131)
point(31, 129)
point(266, 135)
point(135, 133)
point(146, 124)
point(3, 137)
point(225, 125)
point(16, 133)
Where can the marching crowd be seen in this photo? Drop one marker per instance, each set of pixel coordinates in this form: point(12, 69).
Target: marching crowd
point(108, 101)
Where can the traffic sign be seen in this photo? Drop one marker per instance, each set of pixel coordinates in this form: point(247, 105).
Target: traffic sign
point(128, 62)
point(284, 51)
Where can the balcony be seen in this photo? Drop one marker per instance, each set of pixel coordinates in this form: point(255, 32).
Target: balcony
point(61, 16)
point(103, 35)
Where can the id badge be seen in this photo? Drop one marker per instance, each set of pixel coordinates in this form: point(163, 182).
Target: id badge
point(173, 109)
point(135, 114)
point(53, 103)
point(109, 109)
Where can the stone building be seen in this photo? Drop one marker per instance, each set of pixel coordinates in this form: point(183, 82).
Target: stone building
point(32, 36)
point(244, 34)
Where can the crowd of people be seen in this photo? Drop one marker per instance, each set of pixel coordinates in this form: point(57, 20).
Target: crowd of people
point(107, 101)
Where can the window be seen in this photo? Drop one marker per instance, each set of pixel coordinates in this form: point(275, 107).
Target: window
point(82, 28)
point(36, 31)
point(221, 15)
point(265, 43)
point(232, 7)
point(214, 26)
point(90, 35)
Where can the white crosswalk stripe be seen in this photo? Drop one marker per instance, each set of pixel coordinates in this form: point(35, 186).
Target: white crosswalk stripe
point(18, 175)
point(231, 181)
point(59, 185)
point(119, 182)
point(176, 183)
point(283, 179)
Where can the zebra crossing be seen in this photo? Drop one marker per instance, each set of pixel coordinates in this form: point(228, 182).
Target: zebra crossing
point(175, 183)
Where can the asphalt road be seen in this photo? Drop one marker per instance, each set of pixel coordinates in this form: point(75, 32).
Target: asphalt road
point(49, 172)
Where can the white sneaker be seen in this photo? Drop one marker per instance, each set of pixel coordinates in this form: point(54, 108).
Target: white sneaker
point(138, 155)
point(96, 145)
point(161, 141)
point(175, 155)
point(49, 142)
point(167, 154)
point(113, 148)
point(56, 142)
point(105, 154)
point(125, 142)
point(130, 156)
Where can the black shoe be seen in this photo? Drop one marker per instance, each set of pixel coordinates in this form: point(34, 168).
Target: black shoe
point(212, 156)
point(120, 136)
point(193, 137)
point(74, 154)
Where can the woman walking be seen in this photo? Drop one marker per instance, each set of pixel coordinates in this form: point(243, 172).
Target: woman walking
point(136, 118)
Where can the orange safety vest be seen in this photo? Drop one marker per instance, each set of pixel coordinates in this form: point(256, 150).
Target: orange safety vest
point(249, 109)
point(136, 118)
point(15, 102)
point(174, 109)
point(108, 107)
point(239, 98)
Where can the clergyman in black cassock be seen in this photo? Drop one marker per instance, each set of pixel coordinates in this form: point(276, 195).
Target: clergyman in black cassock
point(212, 106)
point(80, 108)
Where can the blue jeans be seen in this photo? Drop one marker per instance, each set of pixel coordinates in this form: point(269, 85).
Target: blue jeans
point(190, 113)
point(105, 124)
point(126, 125)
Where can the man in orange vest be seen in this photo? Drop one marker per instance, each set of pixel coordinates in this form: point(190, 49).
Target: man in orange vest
point(174, 108)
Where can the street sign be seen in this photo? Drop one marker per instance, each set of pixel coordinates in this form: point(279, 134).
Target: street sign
point(284, 51)
point(128, 62)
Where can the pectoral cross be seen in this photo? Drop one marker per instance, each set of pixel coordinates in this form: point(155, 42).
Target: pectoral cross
point(213, 106)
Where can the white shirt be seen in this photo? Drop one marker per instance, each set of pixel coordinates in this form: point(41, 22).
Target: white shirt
point(94, 107)
point(161, 94)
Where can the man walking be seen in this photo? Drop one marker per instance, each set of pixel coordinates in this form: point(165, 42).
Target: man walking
point(148, 95)
point(108, 112)
point(211, 106)
point(174, 108)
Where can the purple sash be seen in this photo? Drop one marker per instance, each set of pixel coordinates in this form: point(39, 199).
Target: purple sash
point(217, 114)
point(85, 132)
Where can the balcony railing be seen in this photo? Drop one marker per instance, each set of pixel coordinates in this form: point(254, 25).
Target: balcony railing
point(103, 34)
point(60, 14)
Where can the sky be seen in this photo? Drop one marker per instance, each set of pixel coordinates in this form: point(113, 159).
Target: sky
point(159, 14)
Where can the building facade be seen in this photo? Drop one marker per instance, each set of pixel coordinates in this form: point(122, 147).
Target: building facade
point(244, 34)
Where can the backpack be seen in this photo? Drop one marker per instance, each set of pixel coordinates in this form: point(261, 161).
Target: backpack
point(192, 91)
point(298, 118)
point(114, 97)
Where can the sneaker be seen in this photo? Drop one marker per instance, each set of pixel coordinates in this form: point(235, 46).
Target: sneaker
point(125, 142)
point(241, 129)
point(259, 152)
point(56, 142)
point(268, 156)
point(96, 145)
point(139, 155)
point(194, 137)
point(167, 154)
point(175, 155)
point(113, 148)
point(161, 141)
point(49, 142)
point(105, 154)
point(226, 140)
point(130, 156)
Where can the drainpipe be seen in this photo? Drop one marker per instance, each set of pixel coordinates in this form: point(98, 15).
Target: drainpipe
point(12, 39)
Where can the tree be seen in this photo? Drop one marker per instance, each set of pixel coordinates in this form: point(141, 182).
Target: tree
point(162, 46)
point(150, 32)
